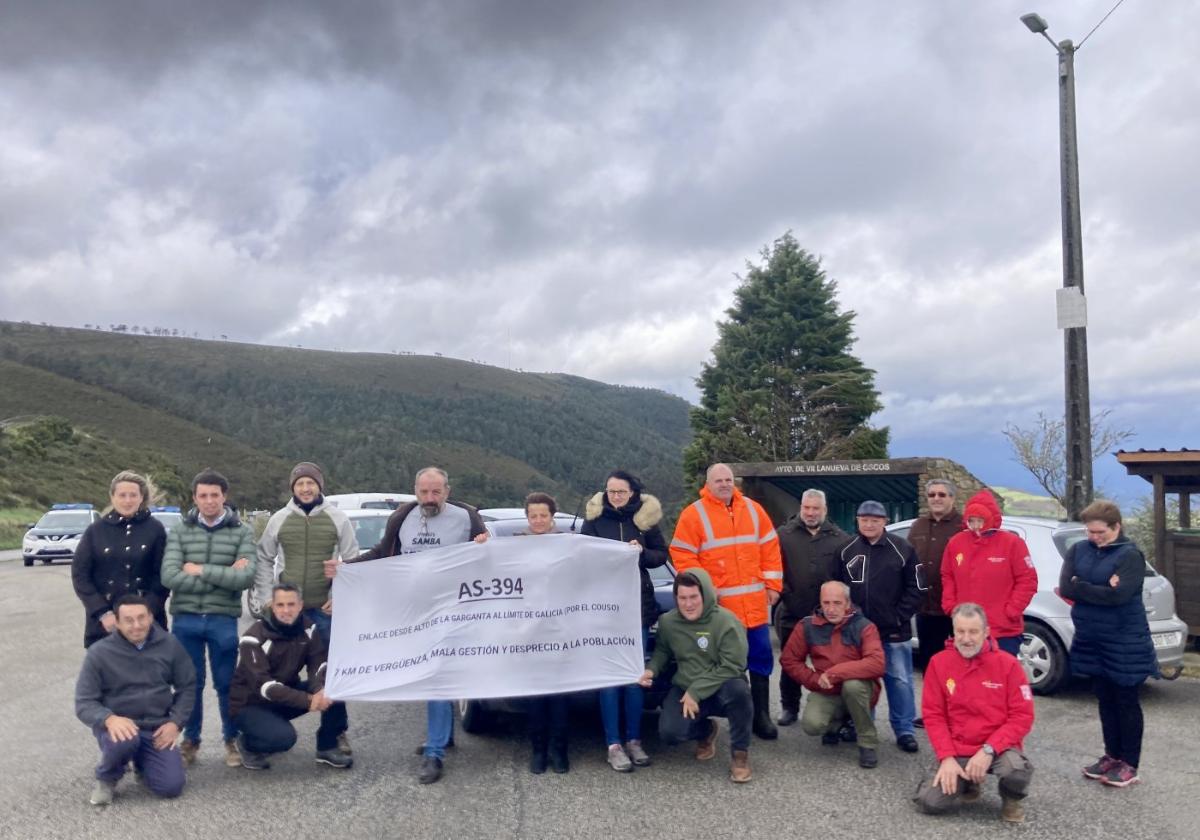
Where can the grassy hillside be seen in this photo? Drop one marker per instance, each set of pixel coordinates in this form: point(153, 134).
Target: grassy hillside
point(1020, 503)
point(370, 419)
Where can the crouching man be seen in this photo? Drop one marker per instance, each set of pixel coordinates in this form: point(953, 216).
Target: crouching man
point(847, 664)
point(978, 708)
point(136, 690)
point(708, 643)
point(267, 692)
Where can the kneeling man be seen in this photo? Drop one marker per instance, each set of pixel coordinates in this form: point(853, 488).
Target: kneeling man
point(978, 708)
point(136, 690)
point(708, 643)
point(267, 691)
point(847, 664)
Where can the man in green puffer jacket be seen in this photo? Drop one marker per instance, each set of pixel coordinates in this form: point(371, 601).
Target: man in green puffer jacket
point(708, 643)
point(208, 563)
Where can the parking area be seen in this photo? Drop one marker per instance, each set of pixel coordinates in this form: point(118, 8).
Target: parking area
point(800, 788)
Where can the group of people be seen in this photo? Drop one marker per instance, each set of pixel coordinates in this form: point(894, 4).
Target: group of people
point(843, 608)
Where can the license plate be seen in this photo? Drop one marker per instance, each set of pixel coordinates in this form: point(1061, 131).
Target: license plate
point(1165, 640)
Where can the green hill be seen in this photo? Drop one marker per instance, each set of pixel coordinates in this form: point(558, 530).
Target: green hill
point(370, 419)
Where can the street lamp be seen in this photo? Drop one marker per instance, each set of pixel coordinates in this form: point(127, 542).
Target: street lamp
point(1072, 307)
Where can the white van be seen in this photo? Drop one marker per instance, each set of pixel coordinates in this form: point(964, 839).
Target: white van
point(369, 501)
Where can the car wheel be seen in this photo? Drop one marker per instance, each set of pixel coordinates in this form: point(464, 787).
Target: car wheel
point(1044, 658)
point(476, 719)
point(28, 561)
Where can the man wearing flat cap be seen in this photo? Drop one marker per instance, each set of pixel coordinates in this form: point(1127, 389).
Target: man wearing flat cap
point(881, 571)
point(302, 543)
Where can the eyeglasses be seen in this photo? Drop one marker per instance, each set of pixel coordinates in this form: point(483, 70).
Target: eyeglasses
point(936, 495)
point(619, 492)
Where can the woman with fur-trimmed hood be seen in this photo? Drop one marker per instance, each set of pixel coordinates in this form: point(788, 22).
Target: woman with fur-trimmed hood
point(623, 513)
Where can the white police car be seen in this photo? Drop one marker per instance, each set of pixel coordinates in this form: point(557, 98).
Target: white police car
point(57, 533)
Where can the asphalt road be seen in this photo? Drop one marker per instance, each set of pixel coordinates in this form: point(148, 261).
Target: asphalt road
point(800, 788)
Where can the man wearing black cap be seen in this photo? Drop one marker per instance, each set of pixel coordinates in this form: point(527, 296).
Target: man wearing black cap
point(300, 546)
point(881, 571)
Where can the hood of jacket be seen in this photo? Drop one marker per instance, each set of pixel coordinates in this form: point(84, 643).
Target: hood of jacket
point(983, 504)
point(644, 510)
point(708, 593)
point(231, 519)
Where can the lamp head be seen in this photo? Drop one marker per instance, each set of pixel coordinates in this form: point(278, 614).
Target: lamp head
point(1035, 23)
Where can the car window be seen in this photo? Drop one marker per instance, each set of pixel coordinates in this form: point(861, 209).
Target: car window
point(661, 574)
point(66, 519)
point(1067, 537)
point(368, 530)
point(901, 532)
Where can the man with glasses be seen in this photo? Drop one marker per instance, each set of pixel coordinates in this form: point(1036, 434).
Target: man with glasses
point(929, 534)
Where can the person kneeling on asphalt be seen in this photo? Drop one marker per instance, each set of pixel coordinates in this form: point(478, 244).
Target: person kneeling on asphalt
point(847, 664)
point(708, 643)
point(978, 708)
point(136, 690)
point(267, 691)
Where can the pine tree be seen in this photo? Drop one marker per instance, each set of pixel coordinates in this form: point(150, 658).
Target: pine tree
point(783, 384)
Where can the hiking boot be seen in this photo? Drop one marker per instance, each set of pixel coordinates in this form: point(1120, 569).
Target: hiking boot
point(343, 745)
point(1012, 810)
point(1102, 766)
point(787, 717)
point(1121, 775)
point(739, 768)
point(538, 759)
point(559, 762)
point(636, 754)
point(760, 697)
point(431, 770)
point(335, 758)
point(102, 793)
point(867, 758)
point(908, 743)
point(188, 750)
point(830, 739)
point(971, 792)
point(848, 733)
point(919, 723)
point(707, 747)
point(233, 758)
point(618, 760)
point(251, 760)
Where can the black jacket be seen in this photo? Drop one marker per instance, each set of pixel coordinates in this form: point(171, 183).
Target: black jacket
point(270, 659)
point(117, 556)
point(883, 583)
point(808, 562)
point(637, 520)
point(928, 538)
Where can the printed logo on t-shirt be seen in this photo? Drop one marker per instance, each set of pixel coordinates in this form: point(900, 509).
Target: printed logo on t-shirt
point(1027, 693)
point(990, 684)
point(702, 642)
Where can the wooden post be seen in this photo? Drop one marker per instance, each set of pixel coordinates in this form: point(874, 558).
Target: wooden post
point(1185, 510)
point(1160, 523)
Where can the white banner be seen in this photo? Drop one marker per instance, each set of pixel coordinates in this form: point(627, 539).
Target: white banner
point(511, 617)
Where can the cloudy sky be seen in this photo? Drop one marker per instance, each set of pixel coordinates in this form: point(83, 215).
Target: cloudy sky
point(576, 186)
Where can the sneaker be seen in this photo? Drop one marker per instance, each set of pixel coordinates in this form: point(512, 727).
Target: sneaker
point(971, 792)
point(102, 793)
point(1012, 810)
point(830, 739)
point(707, 748)
point(618, 760)
point(431, 770)
point(1102, 766)
point(1121, 775)
point(787, 717)
point(343, 745)
point(249, 759)
point(908, 743)
point(233, 758)
point(636, 754)
point(867, 758)
point(739, 768)
point(335, 758)
point(188, 750)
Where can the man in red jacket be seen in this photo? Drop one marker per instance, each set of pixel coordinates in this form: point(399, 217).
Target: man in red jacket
point(989, 566)
point(978, 708)
point(847, 664)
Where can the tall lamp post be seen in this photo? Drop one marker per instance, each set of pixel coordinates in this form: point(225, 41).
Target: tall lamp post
point(1072, 305)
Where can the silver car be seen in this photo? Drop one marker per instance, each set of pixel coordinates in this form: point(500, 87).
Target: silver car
point(1048, 627)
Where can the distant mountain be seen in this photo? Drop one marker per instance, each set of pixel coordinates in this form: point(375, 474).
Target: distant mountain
point(371, 420)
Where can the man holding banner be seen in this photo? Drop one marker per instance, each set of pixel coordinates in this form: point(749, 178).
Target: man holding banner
point(432, 521)
point(708, 643)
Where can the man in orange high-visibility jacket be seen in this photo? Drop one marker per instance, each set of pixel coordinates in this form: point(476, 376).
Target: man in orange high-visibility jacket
point(732, 538)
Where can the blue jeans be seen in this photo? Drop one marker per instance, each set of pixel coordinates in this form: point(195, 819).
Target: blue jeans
point(630, 698)
point(324, 622)
point(1011, 644)
point(761, 658)
point(898, 681)
point(217, 633)
point(161, 769)
point(439, 727)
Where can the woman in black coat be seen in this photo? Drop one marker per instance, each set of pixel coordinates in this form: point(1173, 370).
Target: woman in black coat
point(1103, 576)
point(622, 512)
point(120, 553)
